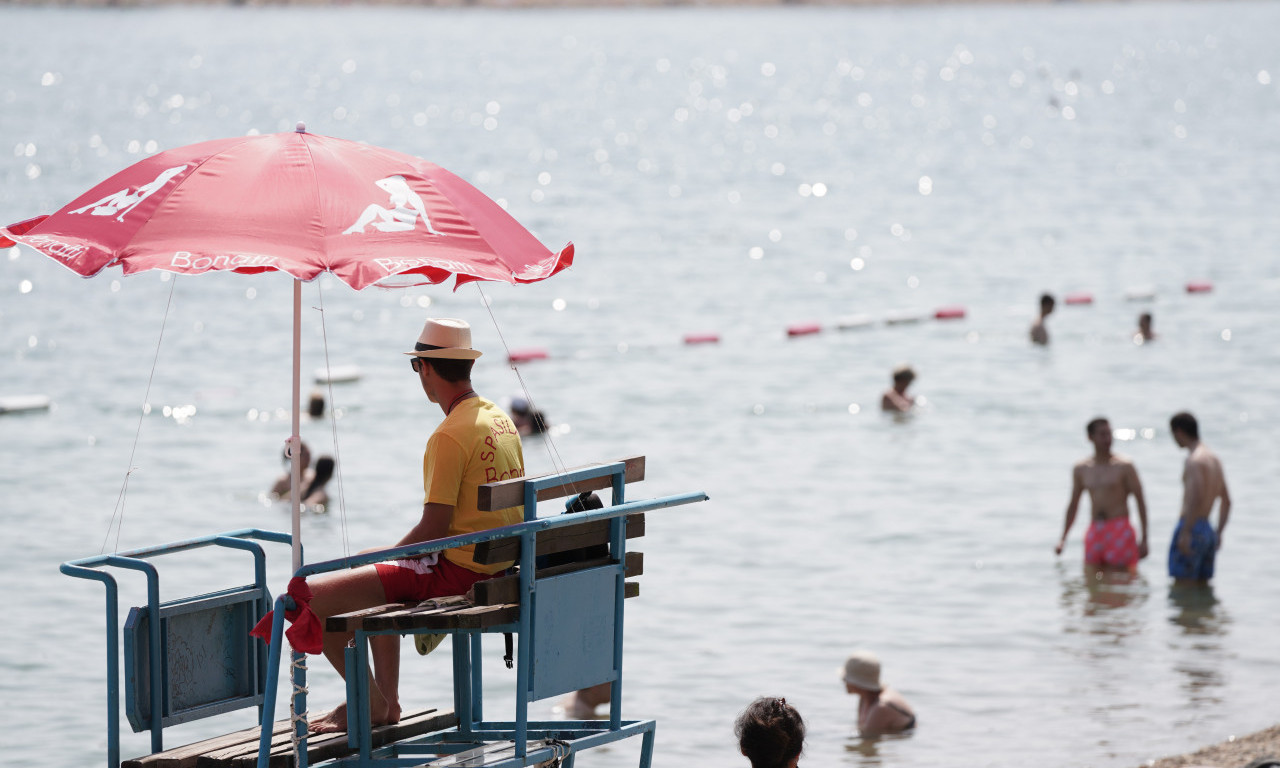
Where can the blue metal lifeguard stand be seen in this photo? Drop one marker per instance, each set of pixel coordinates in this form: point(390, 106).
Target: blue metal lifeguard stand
point(567, 621)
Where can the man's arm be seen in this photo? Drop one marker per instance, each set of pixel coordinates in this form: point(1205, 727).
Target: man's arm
point(1135, 487)
point(433, 525)
point(1077, 488)
point(1224, 506)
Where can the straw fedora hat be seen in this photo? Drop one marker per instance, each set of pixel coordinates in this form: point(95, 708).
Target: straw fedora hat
point(862, 670)
point(447, 338)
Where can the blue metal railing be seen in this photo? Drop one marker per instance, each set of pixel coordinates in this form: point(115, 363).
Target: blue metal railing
point(87, 568)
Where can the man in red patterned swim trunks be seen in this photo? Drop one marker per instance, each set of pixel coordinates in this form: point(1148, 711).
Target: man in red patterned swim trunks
point(1110, 543)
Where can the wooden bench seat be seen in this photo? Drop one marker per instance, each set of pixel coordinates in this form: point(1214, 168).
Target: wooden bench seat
point(492, 602)
point(240, 749)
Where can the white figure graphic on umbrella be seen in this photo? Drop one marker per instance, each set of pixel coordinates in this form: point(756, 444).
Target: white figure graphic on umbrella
point(127, 199)
point(401, 217)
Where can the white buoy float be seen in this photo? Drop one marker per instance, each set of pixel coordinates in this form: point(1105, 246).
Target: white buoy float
point(338, 374)
point(23, 403)
point(854, 322)
point(903, 317)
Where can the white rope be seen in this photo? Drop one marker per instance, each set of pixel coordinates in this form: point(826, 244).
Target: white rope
point(553, 451)
point(118, 512)
point(299, 661)
point(333, 426)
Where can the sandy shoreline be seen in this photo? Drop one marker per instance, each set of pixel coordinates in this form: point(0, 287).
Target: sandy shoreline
point(1234, 753)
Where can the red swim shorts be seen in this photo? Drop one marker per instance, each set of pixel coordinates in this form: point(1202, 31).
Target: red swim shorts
point(405, 585)
point(1111, 543)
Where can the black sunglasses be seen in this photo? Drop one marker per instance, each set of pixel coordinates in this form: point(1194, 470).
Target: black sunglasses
point(416, 363)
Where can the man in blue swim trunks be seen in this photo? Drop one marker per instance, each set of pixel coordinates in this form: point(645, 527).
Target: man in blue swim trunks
point(1195, 543)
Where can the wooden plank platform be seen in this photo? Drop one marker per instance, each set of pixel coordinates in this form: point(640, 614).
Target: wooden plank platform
point(240, 749)
point(510, 493)
point(580, 536)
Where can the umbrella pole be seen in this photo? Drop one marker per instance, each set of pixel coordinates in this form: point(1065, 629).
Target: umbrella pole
point(295, 498)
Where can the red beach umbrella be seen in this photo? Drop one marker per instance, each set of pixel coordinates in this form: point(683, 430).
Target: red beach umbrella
point(297, 203)
point(293, 202)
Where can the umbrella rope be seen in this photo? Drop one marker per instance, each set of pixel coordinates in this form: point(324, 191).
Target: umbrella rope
point(333, 425)
point(552, 450)
point(117, 514)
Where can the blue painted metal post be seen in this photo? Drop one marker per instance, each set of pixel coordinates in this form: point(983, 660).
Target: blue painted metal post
point(267, 721)
point(646, 746)
point(618, 531)
point(155, 665)
point(462, 692)
point(359, 727)
point(113, 655)
point(477, 679)
point(524, 641)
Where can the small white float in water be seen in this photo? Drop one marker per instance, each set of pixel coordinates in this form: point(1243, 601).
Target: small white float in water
point(854, 322)
point(903, 317)
point(338, 374)
point(23, 403)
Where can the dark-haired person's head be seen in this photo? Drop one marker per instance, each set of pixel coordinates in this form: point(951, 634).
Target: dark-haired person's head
point(1186, 424)
point(323, 474)
point(452, 371)
point(1092, 426)
point(1046, 303)
point(770, 733)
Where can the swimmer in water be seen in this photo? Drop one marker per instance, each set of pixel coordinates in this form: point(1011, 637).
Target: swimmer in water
point(1195, 542)
point(1144, 333)
point(881, 709)
point(528, 421)
point(1039, 333)
point(316, 497)
point(1111, 479)
point(896, 398)
point(770, 733)
point(280, 489)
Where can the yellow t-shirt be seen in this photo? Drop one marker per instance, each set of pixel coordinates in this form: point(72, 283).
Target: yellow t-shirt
point(476, 444)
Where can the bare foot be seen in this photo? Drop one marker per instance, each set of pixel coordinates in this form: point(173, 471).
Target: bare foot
point(333, 722)
point(391, 716)
point(336, 721)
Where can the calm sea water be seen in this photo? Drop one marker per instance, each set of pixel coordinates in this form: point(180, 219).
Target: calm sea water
point(727, 171)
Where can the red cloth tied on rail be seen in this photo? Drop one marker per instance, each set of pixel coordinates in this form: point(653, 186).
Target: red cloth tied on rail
point(305, 634)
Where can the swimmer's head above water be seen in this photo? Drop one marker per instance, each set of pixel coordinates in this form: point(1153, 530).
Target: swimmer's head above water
point(770, 733)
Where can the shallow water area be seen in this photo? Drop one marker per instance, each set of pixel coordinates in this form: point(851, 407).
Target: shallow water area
point(727, 171)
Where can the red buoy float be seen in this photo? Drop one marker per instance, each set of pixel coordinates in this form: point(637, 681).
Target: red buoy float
point(526, 355)
point(803, 329)
point(1199, 286)
point(1078, 299)
point(949, 313)
point(702, 338)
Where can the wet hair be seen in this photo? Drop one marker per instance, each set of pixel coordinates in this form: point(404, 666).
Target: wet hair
point(452, 371)
point(315, 405)
point(770, 733)
point(904, 372)
point(324, 473)
point(1091, 426)
point(1186, 424)
point(1145, 317)
point(1046, 300)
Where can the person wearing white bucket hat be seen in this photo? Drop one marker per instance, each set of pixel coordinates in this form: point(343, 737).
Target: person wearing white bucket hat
point(476, 443)
point(880, 708)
